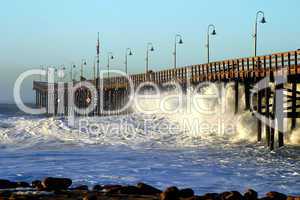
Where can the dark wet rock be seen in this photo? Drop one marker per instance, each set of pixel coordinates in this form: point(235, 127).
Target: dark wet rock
point(290, 198)
point(5, 194)
point(265, 198)
point(148, 189)
point(293, 198)
point(51, 183)
point(90, 197)
point(127, 190)
point(223, 195)
point(97, 188)
point(110, 188)
point(276, 195)
point(81, 187)
point(250, 195)
point(171, 193)
point(233, 195)
point(210, 196)
point(6, 184)
point(23, 184)
point(37, 184)
point(186, 193)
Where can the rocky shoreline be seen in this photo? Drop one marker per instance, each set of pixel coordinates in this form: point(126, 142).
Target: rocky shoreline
point(61, 188)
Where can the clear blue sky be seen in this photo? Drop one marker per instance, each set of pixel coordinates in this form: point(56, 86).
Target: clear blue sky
point(36, 32)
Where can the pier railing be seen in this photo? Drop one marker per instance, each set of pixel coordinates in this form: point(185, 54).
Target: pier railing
point(226, 70)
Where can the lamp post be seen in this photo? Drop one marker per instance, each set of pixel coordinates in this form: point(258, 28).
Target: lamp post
point(55, 74)
point(73, 66)
point(94, 68)
point(213, 32)
point(110, 56)
point(127, 53)
point(149, 48)
point(263, 21)
point(178, 40)
point(42, 68)
point(62, 73)
point(83, 63)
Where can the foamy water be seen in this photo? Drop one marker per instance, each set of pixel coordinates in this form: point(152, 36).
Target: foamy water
point(160, 149)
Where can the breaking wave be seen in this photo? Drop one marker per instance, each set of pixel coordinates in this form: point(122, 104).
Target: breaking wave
point(199, 118)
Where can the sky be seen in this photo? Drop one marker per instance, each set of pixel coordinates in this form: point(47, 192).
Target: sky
point(62, 32)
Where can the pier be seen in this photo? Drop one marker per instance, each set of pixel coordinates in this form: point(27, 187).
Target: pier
point(279, 98)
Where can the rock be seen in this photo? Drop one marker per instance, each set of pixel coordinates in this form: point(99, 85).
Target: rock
point(186, 193)
point(110, 188)
point(276, 195)
point(211, 196)
point(6, 184)
point(233, 195)
point(128, 190)
point(5, 194)
point(290, 198)
point(51, 183)
point(223, 195)
point(90, 197)
point(148, 189)
point(81, 187)
point(171, 193)
point(250, 195)
point(37, 184)
point(97, 188)
point(265, 198)
point(193, 198)
point(293, 198)
point(23, 184)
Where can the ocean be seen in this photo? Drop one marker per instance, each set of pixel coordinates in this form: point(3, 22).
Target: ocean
point(102, 150)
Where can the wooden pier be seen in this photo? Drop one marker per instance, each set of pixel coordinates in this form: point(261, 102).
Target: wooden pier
point(276, 101)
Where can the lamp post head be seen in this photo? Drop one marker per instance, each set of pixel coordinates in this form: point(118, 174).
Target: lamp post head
point(112, 57)
point(214, 32)
point(152, 48)
point(263, 20)
point(180, 41)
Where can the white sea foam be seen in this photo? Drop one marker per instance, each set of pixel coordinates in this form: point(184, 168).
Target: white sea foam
point(159, 128)
point(216, 154)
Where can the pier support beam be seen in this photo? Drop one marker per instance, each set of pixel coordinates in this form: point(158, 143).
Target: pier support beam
point(267, 114)
point(259, 109)
point(247, 94)
point(236, 88)
point(294, 104)
point(279, 114)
